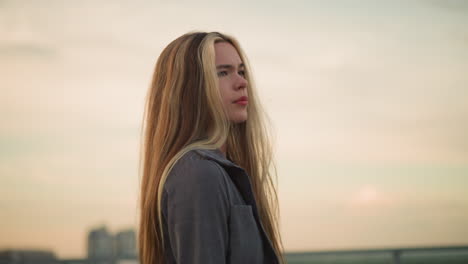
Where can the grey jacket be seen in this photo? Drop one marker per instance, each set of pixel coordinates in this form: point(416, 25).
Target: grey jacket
point(210, 215)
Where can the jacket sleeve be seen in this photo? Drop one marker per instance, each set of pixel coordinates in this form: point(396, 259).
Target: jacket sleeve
point(197, 213)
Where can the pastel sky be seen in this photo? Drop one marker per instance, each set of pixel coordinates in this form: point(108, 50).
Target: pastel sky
point(368, 103)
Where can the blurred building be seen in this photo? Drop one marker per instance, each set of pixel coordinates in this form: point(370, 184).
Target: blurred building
point(125, 244)
point(103, 248)
point(100, 245)
point(27, 257)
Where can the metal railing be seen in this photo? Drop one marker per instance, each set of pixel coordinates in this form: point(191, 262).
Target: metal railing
point(395, 253)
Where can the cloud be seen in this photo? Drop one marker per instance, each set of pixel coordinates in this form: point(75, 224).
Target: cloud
point(458, 6)
point(27, 50)
point(369, 197)
point(20, 36)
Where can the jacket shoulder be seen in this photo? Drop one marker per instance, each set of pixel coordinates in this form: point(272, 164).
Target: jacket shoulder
point(193, 169)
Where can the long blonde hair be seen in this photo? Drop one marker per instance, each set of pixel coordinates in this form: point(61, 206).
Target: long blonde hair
point(184, 111)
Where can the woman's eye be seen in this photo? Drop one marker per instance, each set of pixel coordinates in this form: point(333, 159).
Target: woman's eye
point(242, 73)
point(222, 73)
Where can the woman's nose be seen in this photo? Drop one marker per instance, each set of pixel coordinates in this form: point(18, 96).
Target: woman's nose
point(241, 82)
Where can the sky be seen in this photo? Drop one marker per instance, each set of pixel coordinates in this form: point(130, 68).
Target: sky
point(367, 102)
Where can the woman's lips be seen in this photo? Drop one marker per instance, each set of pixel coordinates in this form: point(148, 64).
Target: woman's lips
point(242, 101)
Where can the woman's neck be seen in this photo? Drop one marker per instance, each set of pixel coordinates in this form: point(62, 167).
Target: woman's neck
point(223, 149)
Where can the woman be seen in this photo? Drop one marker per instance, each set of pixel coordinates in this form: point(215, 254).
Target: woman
point(207, 194)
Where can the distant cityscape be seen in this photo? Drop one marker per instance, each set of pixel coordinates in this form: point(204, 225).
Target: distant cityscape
point(102, 248)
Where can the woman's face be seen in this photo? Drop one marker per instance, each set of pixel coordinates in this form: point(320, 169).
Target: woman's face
point(232, 82)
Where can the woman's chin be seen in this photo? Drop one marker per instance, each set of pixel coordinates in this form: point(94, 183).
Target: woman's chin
point(239, 119)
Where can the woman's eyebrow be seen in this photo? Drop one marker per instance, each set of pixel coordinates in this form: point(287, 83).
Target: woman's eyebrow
point(228, 66)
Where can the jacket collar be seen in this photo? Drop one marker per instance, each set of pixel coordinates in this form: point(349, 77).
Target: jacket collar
point(237, 174)
point(217, 155)
point(244, 186)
